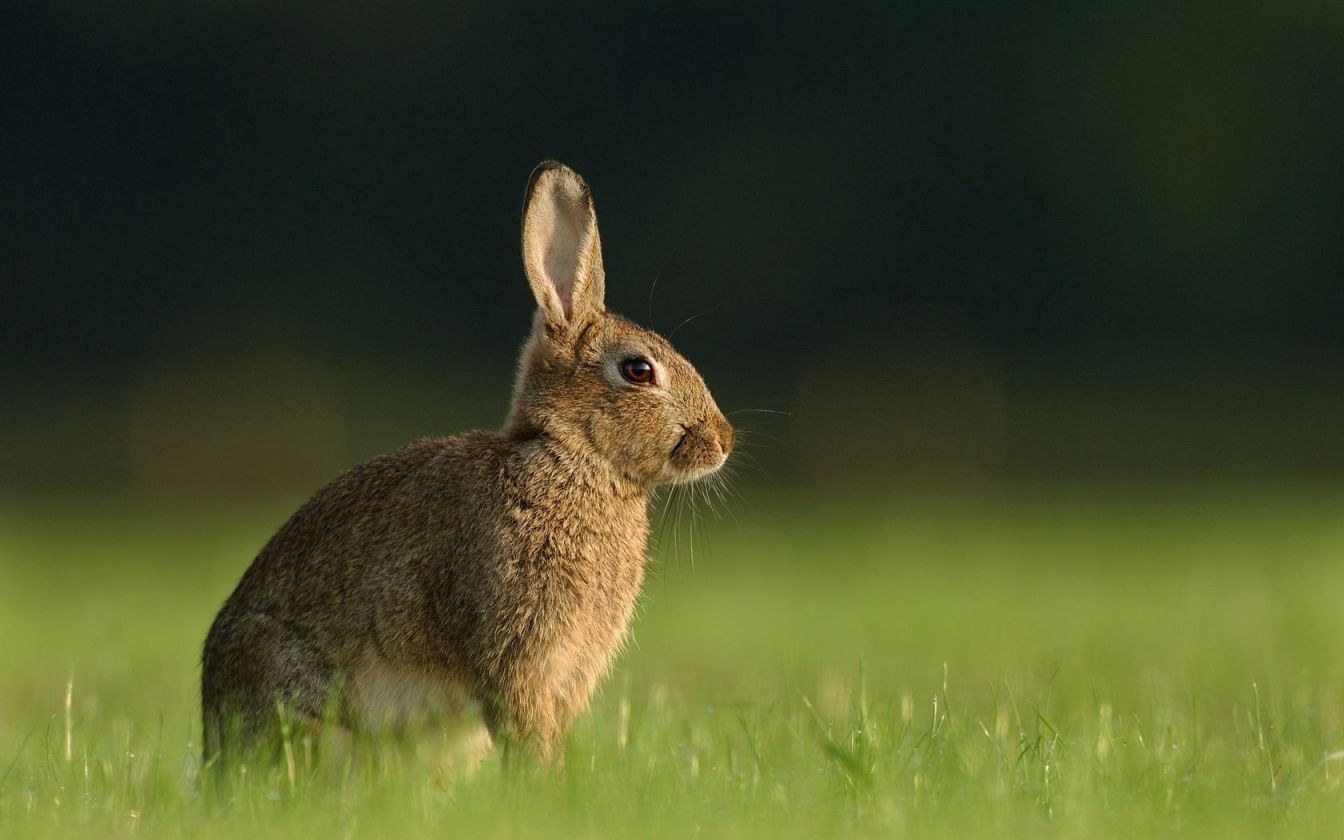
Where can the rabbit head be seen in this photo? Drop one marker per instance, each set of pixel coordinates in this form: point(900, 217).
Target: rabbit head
point(598, 384)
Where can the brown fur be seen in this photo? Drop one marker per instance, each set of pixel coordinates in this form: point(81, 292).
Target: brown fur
point(502, 568)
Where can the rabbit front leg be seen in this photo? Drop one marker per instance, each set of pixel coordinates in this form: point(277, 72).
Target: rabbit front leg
point(523, 716)
point(534, 695)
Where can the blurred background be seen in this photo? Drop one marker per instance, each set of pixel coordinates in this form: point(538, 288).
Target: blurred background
point(1029, 313)
point(249, 244)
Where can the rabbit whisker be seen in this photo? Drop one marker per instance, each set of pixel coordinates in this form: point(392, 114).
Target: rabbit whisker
point(688, 320)
point(653, 288)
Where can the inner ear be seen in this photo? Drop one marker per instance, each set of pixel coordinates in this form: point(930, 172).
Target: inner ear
point(562, 232)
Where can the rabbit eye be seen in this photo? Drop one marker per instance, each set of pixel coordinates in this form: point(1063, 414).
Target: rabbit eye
point(637, 371)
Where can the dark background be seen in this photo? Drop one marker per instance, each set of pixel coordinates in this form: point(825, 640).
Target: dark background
point(247, 244)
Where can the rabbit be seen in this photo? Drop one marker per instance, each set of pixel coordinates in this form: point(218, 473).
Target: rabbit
point(499, 568)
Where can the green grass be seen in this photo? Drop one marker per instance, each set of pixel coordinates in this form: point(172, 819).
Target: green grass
point(1140, 663)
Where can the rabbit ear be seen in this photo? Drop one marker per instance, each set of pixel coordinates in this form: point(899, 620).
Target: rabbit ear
point(561, 249)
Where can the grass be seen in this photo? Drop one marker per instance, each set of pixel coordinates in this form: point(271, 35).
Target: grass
point(1040, 663)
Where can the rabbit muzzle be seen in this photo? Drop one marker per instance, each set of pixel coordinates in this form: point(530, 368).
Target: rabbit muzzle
point(702, 449)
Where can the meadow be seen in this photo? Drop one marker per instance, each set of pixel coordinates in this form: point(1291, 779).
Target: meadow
point(1035, 661)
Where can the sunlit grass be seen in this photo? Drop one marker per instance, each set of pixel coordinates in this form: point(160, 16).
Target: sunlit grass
point(1032, 663)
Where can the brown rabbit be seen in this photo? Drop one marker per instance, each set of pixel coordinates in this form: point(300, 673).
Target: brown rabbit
point(501, 567)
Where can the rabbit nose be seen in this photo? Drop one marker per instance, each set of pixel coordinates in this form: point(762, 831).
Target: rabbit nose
point(723, 437)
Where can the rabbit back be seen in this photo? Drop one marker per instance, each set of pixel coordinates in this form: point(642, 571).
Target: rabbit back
point(451, 568)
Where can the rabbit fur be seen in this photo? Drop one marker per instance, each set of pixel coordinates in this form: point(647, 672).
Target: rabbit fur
point(495, 568)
